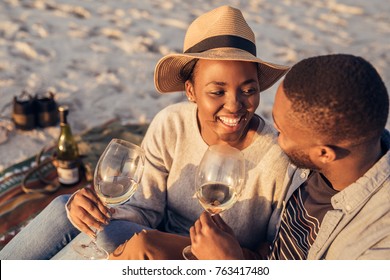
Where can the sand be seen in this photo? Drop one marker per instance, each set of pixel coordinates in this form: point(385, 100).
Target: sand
point(98, 56)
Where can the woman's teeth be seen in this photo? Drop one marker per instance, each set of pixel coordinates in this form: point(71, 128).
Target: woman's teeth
point(230, 121)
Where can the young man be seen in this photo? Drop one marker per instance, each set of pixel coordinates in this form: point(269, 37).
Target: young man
point(331, 113)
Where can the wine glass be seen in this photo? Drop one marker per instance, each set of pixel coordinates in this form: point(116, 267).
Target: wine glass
point(219, 180)
point(116, 178)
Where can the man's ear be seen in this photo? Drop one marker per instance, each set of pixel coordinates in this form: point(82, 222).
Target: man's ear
point(325, 154)
point(189, 87)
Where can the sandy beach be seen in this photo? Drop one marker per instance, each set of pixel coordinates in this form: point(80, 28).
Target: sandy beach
point(98, 56)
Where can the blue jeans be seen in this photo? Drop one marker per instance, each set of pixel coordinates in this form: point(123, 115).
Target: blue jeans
point(50, 232)
point(113, 235)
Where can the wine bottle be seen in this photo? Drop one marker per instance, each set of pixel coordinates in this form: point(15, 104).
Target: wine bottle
point(68, 163)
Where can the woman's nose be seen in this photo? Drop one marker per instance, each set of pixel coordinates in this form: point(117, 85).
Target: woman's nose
point(233, 104)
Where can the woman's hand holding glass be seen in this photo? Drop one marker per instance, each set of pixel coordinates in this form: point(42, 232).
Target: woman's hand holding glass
point(117, 175)
point(88, 212)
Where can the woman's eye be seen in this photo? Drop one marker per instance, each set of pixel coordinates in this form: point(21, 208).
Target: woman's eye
point(217, 92)
point(249, 91)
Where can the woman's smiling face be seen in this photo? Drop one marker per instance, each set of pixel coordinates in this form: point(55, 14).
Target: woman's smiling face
point(227, 95)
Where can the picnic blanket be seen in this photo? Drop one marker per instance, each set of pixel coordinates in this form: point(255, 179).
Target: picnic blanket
point(17, 207)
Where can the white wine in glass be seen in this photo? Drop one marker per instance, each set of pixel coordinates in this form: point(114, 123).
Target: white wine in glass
point(116, 178)
point(219, 180)
point(216, 197)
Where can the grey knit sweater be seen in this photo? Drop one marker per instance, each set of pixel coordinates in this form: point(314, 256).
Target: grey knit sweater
point(174, 147)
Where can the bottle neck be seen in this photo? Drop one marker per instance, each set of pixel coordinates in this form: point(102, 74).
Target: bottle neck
point(63, 120)
point(65, 127)
point(63, 117)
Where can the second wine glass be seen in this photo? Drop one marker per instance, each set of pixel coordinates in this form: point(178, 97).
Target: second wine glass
point(116, 178)
point(219, 180)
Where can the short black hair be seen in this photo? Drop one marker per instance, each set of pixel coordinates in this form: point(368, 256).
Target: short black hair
point(339, 96)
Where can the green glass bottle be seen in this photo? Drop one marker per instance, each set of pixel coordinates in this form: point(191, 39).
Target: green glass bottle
point(68, 163)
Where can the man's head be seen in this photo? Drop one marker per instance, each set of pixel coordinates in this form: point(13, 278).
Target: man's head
point(333, 101)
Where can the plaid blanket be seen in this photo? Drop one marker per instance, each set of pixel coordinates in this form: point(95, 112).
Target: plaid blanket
point(17, 208)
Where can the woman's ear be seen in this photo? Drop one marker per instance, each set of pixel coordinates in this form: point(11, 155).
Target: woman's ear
point(190, 91)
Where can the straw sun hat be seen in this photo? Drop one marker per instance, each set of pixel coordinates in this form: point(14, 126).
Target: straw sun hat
point(221, 34)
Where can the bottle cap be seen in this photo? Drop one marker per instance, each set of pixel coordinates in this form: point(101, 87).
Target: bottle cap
point(63, 108)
